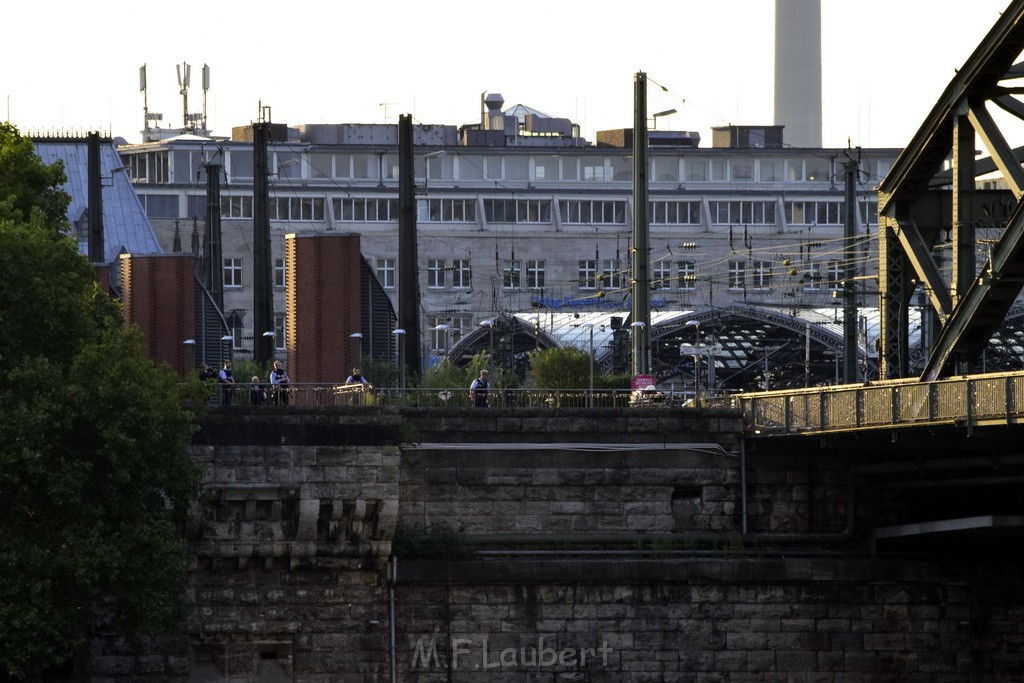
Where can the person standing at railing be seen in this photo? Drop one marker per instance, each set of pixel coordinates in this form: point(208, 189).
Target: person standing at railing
point(257, 394)
point(357, 378)
point(479, 390)
point(279, 379)
point(227, 382)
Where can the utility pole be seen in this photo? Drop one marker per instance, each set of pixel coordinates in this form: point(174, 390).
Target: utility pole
point(851, 169)
point(408, 273)
point(641, 281)
point(263, 301)
point(213, 262)
point(96, 248)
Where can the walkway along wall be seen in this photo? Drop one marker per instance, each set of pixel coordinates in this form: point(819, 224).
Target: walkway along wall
point(603, 548)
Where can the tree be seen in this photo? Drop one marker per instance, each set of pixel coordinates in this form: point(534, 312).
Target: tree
point(560, 368)
point(96, 481)
point(29, 186)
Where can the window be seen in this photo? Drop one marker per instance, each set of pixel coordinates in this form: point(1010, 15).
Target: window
point(719, 168)
point(674, 213)
point(386, 272)
point(297, 209)
point(517, 168)
point(439, 338)
point(697, 170)
point(737, 274)
point(446, 210)
point(511, 274)
point(517, 211)
point(279, 274)
point(159, 205)
point(829, 213)
point(366, 210)
point(611, 275)
point(240, 164)
point(280, 341)
point(236, 207)
point(742, 169)
point(868, 212)
point(621, 168)
point(435, 273)
point(661, 275)
point(461, 274)
point(588, 274)
point(834, 276)
point(816, 169)
point(687, 275)
point(592, 169)
point(814, 213)
point(233, 272)
point(771, 170)
point(750, 213)
point(665, 169)
point(812, 277)
point(545, 168)
point(570, 168)
point(762, 275)
point(590, 212)
point(238, 335)
point(535, 274)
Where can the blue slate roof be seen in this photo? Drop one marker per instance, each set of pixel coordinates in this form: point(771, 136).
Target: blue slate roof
point(125, 225)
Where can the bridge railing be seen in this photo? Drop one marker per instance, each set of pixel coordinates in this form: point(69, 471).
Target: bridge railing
point(960, 400)
point(298, 394)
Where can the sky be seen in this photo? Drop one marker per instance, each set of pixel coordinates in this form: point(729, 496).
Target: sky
point(884, 62)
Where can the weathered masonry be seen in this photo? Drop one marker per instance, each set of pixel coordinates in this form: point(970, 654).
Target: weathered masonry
point(609, 545)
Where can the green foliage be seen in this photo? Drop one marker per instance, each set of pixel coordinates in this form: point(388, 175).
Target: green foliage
point(244, 369)
point(380, 373)
point(430, 542)
point(95, 477)
point(30, 189)
point(561, 368)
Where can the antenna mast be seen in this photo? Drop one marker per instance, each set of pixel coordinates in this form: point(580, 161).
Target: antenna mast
point(184, 76)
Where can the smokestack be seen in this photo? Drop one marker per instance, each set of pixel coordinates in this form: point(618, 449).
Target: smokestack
point(798, 71)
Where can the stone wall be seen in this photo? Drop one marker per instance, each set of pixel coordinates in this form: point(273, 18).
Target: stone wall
point(710, 619)
point(563, 490)
point(592, 538)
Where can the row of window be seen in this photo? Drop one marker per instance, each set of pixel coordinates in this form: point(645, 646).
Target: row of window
point(184, 166)
point(531, 211)
point(608, 274)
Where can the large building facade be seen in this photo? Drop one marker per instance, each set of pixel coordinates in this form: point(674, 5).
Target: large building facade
point(518, 213)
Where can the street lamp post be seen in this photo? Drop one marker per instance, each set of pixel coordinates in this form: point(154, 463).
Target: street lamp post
point(443, 327)
point(590, 396)
point(695, 324)
point(357, 336)
point(191, 343)
point(401, 356)
point(489, 324)
point(639, 346)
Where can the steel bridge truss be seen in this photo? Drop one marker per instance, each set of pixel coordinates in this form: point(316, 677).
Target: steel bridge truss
point(930, 208)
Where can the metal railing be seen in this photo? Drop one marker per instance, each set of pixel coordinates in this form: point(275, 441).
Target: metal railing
point(454, 397)
point(971, 400)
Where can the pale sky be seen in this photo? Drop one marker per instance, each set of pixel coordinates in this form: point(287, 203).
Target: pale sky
point(884, 62)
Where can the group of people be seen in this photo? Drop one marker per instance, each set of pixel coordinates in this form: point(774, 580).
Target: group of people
point(258, 394)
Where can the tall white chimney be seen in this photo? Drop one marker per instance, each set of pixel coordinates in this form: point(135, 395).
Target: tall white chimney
point(798, 71)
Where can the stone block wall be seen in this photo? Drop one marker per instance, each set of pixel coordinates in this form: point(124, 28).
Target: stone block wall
point(561, 490)
point(721, 619)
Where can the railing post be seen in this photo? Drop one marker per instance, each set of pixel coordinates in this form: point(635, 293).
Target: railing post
point(894, 405)
point(969, 394)
point(1008, 393)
